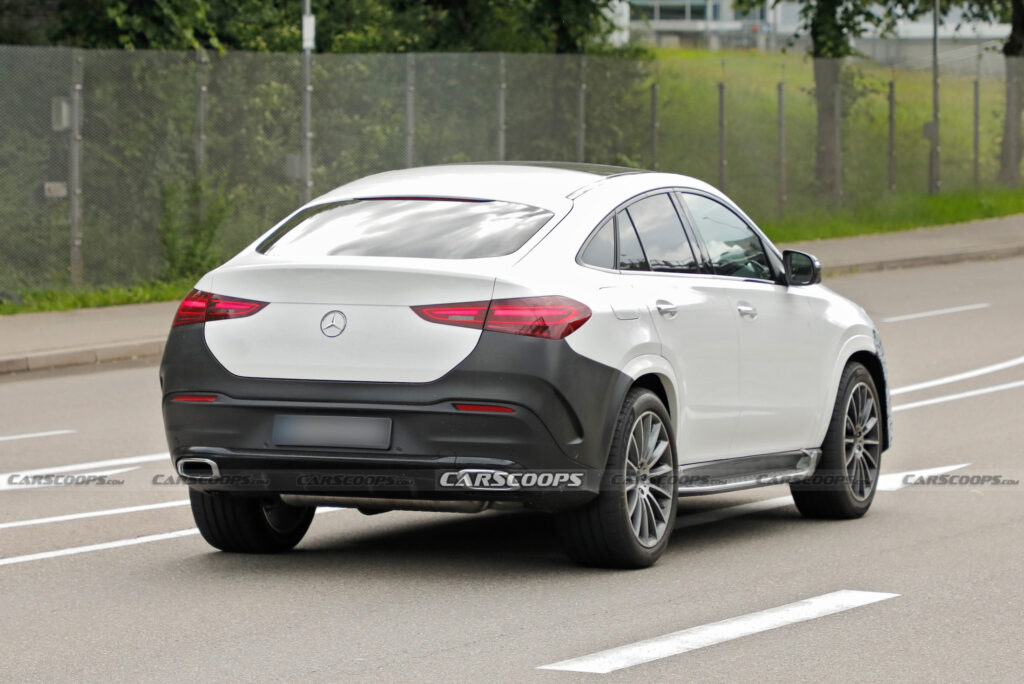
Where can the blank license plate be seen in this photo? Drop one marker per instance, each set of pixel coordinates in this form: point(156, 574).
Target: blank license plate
point(354, 432)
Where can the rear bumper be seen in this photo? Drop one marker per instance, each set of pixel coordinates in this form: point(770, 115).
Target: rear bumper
point(559, 431)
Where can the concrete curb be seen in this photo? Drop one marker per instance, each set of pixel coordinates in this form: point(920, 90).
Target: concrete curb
point(82, 356)
point(930, 260)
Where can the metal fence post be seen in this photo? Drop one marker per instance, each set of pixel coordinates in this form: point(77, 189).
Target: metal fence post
point(201, 89)
point(721, 136)
point(502, 87)
point(75, 166)
point(977, 127)
point(654, 126)
point(837, 175)
point(410, 109)
point(582, 111)
point(892, 136)
point(782, 150)
point(307, 105)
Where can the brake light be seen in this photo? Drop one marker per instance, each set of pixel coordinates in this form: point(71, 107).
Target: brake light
point(199, 307)
point(552, 317)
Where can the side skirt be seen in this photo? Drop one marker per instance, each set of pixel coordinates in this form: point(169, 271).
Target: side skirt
point(746, 472)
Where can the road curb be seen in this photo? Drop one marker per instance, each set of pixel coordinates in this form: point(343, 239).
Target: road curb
point(930, 260)
point(82, 356)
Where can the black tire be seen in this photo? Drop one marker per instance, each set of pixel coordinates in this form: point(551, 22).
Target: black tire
point(602, 532)
point(249, 524)
point(835, 490)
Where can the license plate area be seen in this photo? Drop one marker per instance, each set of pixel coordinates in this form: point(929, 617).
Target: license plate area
point(347, 432)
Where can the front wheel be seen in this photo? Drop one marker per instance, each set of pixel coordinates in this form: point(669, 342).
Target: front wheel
point(248, 524)
point(629, 524)
point(843, 485)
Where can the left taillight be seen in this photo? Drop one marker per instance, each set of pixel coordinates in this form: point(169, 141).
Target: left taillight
point(200, 307)
point(552, 317)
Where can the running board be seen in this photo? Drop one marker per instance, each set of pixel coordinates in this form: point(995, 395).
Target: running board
point(727, 475)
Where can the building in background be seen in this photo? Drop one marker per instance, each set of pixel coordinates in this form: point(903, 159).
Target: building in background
point(715, 24)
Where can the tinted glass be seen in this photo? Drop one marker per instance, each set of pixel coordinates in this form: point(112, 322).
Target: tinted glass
point(631, 254)
point(734, 248)
point(662, 236)
point(601, 250)
point(426, 229)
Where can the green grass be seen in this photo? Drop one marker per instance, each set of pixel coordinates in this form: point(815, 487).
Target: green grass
point(65, 300)
point(899, 212)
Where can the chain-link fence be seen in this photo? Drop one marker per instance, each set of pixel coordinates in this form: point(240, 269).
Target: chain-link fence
point(117, 166)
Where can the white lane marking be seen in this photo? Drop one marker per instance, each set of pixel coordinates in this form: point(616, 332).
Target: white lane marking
point(33, 435)
point(77, 467)
point(93, 514)
point(890, 482)
point(74, 550)
point(691, 639)
point(936, 312)
point(956, 397)
point(119, 543)
point(984, 370)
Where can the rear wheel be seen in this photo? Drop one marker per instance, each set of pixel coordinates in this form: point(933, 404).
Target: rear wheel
point(629, 524)
point(244, 524)
point(843, 485)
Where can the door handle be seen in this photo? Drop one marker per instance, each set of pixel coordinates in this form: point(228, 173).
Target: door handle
point(666, 308)
point(746, 311)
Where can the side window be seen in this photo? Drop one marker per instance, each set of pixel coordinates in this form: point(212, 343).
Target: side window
point(734, 248)
point(631, 254)
point(662, 236)
point(601, 250)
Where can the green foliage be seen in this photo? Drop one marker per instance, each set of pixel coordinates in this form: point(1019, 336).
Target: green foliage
point(193, 214)
point(896, 213)
point(349, 26)
point(64, 300)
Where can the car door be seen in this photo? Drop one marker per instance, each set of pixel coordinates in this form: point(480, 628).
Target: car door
point(698, 333)
point(779, 357)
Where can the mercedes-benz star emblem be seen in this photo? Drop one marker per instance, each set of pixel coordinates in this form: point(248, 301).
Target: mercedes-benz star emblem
point(333, 323)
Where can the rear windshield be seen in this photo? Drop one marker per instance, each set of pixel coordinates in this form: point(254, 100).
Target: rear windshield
point(422, 228)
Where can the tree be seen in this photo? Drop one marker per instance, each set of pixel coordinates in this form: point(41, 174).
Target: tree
point(831, 25)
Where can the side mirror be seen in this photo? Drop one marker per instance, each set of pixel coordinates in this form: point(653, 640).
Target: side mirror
point(801, 268)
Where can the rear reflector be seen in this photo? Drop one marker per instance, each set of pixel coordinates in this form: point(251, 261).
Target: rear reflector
point(549, 317)
point(196, 398)
point(199, 307)
point(484, 408)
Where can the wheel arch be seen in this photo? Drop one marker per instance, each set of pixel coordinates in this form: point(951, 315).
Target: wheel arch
point(874, 365)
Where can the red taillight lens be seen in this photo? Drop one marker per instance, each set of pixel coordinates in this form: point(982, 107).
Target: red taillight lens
point(549, 317)
point(465, 315)
point(484, 408)
point(195, 398)
point(199, 307)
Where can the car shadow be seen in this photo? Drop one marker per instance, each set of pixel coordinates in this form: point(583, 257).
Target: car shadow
point(489, 544)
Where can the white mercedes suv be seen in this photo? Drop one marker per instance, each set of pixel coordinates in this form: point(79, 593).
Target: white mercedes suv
point(590, 341)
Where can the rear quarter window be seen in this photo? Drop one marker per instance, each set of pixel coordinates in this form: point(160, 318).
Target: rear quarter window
point(419, 228)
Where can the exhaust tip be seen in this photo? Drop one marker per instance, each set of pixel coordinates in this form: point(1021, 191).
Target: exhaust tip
point(198, 468)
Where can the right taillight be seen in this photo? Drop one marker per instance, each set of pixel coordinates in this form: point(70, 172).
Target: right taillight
point(553, 317)
point(199, 307)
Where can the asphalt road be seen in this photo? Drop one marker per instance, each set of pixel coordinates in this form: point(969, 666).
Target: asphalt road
point(444, 597)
